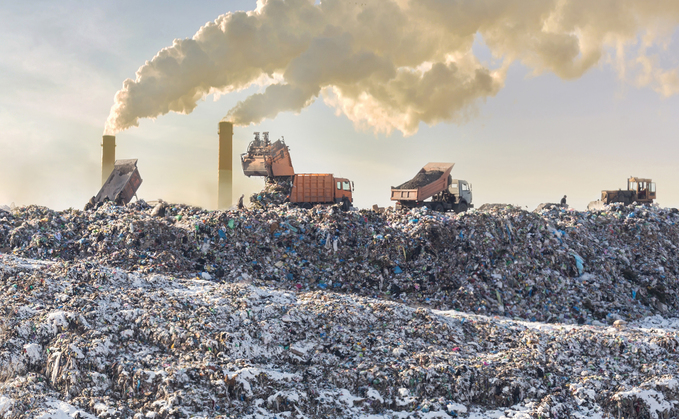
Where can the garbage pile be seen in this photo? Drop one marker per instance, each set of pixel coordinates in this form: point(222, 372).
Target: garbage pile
point(276, 191)
point(96, 341)
point(556, 265)
point(280, 312)
point(421, 179)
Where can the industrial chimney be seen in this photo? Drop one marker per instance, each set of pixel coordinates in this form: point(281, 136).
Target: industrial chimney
point(225, 168)
point(108, 157)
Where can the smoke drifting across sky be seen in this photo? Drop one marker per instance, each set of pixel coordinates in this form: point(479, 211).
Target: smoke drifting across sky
point(391, 64)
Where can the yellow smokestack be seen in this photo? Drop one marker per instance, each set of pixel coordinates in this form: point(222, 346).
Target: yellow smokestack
point(108, 156)
point(225, 165)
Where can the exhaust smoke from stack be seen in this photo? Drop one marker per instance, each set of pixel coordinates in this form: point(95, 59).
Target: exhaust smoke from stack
point(393, 64)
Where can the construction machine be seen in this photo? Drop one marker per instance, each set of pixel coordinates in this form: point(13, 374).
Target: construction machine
point(272, 160)
point(638, 190)
point(434, 181)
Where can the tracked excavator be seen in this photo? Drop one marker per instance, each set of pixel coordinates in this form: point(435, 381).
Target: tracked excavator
point(272, 160)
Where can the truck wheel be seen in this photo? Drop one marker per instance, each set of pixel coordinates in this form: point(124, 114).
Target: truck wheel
point(307, 205)
point(345, 204)
point(461, 207)
point(437, 207)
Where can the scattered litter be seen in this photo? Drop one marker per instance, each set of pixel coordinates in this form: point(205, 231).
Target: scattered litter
point(281, 312)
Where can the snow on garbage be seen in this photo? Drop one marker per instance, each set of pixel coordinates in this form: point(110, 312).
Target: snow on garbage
point(285, 312)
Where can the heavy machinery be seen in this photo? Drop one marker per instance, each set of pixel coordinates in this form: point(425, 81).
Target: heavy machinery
point(638, 190)
point(272, 160)
point(434, 181)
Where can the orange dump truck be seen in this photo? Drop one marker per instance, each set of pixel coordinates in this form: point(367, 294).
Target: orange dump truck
point(434, 181)
point(272, 160)
point(309, 189)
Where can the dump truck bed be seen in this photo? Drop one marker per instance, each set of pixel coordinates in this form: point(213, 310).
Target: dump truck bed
point(430, 180)
point(313, 188)
point(271, 160)
point(121, 184)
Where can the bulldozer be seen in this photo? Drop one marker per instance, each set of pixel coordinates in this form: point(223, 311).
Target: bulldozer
point(638, 190)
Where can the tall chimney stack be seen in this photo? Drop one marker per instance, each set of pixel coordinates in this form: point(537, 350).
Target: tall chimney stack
point(108, 157)
point(224, 198)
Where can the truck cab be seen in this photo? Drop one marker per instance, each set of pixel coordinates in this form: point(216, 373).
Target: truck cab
point(343, 192)
point(461, 189)
point(344, 189)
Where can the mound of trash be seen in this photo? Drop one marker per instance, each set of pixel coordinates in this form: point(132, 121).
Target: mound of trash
point(283, 312)
point(275, 192)
point(556, 265)
point(89, 340)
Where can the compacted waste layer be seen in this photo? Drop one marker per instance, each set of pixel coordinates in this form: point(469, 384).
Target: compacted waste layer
point(284, 312)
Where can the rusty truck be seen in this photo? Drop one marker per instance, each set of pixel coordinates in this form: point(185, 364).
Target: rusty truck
point(434, 187)
point(638, 190)
point(272, 160)
point(121, 185)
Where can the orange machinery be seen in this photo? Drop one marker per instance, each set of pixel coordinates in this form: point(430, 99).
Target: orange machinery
point(266, 159)
point(434, 181)
point(273, 161)
point(312, 188)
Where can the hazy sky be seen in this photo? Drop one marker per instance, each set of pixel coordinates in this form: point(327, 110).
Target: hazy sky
point(526, 116)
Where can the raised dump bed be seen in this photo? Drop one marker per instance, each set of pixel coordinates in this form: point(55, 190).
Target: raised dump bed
point(430, 180)
point(434, 181)
point(121, 184)
point(266, 159)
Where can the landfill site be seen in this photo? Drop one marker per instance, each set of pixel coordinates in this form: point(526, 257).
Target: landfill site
point(295, 304)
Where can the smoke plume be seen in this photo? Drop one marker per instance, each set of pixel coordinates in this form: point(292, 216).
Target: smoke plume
point(392, 64)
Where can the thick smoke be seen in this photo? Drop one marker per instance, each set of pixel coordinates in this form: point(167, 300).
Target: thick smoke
point(392, 64)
